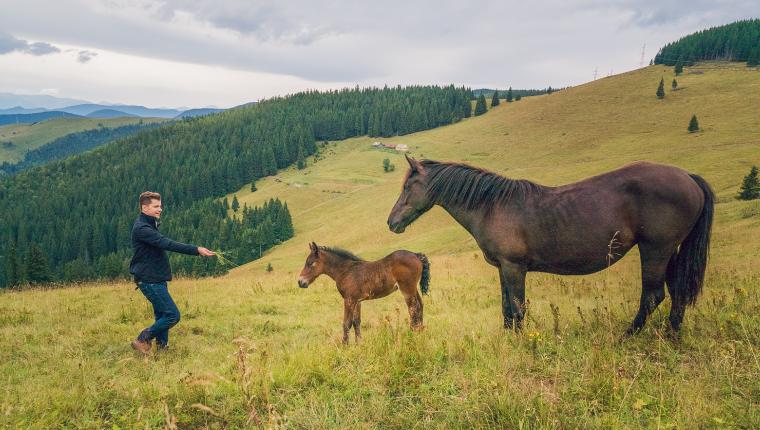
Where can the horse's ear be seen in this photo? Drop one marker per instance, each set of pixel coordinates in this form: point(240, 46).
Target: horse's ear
point(314, 248)
point(415, 165)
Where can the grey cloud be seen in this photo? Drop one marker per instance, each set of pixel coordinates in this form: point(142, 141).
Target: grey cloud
point(267, 20)
point(655, 13)
point(552, 42)
point(8, 44)
point(40, 48)
point(86, 56)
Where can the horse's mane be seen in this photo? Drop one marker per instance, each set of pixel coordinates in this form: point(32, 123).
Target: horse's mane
point(458, 184)
point(340, 252)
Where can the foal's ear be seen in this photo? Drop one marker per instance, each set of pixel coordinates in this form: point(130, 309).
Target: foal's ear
point(314, 248)
point(415, 165)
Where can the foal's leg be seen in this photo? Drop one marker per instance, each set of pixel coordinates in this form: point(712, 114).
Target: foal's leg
point(512, 278)
point(654, 263)
point(357, 320)
point(414, 304)
point(348, 318)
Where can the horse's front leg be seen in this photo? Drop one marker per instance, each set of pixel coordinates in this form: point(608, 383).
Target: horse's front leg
point(512, 278)
point(348, 318)
point(357, 320)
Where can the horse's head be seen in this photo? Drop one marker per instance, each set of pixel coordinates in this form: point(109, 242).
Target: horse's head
point(413, 200)
point(314, 266)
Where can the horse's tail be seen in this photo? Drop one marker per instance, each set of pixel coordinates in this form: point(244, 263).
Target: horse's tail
point(691, 260)
point(425, 279)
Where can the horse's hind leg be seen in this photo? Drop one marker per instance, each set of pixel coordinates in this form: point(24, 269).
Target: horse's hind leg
point(678, 306)
point(654, 263)
point(414, 303)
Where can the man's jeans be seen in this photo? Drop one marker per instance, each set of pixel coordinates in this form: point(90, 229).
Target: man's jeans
point(165, 311)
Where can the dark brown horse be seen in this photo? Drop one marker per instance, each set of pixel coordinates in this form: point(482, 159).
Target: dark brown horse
point(575, 229)
point(358, 280)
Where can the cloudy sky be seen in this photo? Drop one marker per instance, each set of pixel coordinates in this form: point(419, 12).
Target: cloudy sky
point(225, 52)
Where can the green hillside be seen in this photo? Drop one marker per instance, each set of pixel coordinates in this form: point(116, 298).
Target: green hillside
point(255, 351)
point(25, 137)
point(553, 140)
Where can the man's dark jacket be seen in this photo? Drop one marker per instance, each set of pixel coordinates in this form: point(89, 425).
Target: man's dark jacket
point(150, 263)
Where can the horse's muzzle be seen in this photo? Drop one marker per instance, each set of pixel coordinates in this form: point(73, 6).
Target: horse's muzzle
point(396, 227)
point(303, 284)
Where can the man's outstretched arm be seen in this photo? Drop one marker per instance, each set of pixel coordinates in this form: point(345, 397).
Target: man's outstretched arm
point(153, 237)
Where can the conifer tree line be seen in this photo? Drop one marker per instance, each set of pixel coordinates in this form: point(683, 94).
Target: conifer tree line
point(79, 211)
point(510, 94)
point(738, 41)
point(73, 143)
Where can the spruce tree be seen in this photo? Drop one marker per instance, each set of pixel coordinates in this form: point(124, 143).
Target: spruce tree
point(674, 84)
point(11, 266)
point(235, 204)
point(36, 265)
point(253, 186)
point(386, 165)
point(661, 89)
point(679, 68)
point(480, 105)
point(495, 98)
point(754, 57)
point(693, 124)
point(549, 90)
point(509, 95)
point(300, 161)
point(750, 188)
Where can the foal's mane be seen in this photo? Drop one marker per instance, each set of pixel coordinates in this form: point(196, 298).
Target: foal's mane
point(458, 184)
point(342, 253)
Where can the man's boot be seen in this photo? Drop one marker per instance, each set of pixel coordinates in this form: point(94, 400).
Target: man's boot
point(143, 342)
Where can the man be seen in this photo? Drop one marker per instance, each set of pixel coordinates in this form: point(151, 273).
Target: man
point(150, 268)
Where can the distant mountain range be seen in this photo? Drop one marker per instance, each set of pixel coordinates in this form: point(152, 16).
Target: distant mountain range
point(30, 118)
point(129, 110)
point(15, 108)
point(44, 102)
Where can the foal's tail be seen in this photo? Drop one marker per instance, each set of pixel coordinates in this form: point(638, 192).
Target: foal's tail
point(425, 279)
point(691, 259)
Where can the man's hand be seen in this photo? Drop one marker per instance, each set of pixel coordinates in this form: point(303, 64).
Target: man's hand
point(203, 252)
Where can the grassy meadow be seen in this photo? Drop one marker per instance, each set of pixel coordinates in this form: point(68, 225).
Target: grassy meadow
point(255, 351)
point(26, 137)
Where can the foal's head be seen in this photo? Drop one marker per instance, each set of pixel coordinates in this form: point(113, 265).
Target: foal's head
point(413, 201)
point(314, 266)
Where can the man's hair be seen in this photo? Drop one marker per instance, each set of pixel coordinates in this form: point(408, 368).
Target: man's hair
point(147, 196)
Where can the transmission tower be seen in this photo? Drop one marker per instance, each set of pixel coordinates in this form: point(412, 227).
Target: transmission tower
point(643, 50)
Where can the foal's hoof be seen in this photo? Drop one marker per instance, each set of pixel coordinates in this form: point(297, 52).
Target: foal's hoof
point(672, 334)
point(511, 325)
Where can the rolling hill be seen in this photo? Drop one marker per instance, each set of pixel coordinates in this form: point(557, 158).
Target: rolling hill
point(16, 140)
point(190, 113)
point(254, 350)
point(110, 113)
point(552, 139)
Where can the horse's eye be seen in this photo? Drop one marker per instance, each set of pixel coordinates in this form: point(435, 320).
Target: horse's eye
point(314, 263)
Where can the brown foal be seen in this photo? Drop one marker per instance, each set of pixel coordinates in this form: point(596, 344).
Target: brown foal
point(358, 280)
